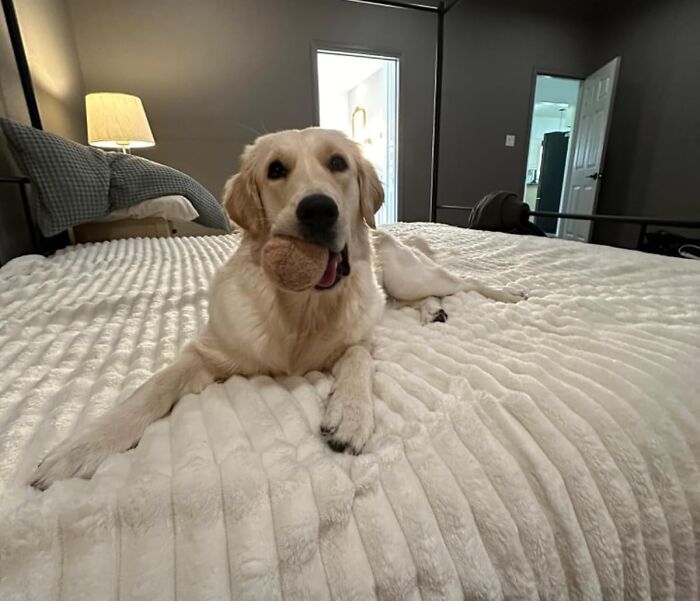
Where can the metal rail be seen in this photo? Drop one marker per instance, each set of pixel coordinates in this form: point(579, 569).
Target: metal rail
point(643, 222)
point(22, 183)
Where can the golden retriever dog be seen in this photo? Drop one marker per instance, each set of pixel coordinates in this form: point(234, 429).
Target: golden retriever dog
point(315, 185)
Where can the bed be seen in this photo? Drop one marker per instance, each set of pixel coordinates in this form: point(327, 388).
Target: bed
point(544, 450)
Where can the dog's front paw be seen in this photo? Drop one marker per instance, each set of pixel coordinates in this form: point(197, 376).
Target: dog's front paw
point(68, 460)
point(348, 423)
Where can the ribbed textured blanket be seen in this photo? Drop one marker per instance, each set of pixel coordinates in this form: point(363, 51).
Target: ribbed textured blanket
point(548, 449)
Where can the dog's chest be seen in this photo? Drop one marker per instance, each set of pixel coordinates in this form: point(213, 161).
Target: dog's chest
point(317, 341)
point(315, 337)
point(256, 329)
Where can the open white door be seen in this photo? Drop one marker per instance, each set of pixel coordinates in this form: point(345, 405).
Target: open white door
point(588, 150)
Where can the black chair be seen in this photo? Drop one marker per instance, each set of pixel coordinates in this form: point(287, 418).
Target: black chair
point(503, 211)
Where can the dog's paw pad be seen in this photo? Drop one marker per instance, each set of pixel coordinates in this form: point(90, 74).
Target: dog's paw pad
point(340, 446)
point(518, 295)
point(38, 483)
point(337, 445)
point(439, 316)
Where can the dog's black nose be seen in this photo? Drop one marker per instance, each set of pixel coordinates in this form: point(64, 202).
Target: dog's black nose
point(317, 212)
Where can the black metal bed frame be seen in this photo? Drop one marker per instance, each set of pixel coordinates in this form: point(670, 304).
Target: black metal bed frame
point(22, 183)
point(642, 222)
point(25, 77)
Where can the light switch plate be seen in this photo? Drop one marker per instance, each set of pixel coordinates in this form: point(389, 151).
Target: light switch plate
point(510, 139)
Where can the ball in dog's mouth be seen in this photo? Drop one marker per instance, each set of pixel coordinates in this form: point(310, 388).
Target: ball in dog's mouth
point(297, 265)
point(337, 268)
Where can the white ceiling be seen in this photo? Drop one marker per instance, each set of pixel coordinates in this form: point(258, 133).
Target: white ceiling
point(556, 89)
point(549, 109)
point(343, 72)
point(553, 94)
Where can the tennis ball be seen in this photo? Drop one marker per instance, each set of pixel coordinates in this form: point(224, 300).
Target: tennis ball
point(294, 264)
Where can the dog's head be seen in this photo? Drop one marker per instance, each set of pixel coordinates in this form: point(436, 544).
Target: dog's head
point(312, 184)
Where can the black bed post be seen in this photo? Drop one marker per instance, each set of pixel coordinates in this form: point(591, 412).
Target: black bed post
point(21, 61)
point(437, 111)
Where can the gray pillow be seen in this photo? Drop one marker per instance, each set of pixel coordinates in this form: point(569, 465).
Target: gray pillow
point(70, 182)
point(74, 184)
point(133, 178)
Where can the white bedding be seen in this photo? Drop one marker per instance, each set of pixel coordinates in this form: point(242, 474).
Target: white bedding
point(548, 449)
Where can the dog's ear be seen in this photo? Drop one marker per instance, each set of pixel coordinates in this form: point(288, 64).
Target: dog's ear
point(242, 202)
point(371, 190)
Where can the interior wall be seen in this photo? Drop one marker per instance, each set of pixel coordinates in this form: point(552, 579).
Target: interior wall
point(202, 113)
point(492, 52)
point(333, 107)
point(370, 94)
point(51, 52)
point(653, 157)
point(13, 105)
point(213, 74)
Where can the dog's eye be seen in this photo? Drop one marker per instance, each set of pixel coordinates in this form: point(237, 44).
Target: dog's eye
point(276, 170)
point(337, 163)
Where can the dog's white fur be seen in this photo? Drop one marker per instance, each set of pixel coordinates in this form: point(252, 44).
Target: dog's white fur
point(257, 328)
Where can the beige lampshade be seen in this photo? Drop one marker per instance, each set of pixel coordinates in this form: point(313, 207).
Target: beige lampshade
point(117, 121)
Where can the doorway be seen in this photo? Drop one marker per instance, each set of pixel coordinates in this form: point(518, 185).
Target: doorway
point(358, 94)
point(553, 118)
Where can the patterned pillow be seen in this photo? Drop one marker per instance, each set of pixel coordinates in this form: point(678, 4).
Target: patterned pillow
point(74, 184)
point(70, 182)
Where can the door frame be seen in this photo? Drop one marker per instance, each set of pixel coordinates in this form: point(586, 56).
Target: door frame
point(322, 45)
point(531, 107)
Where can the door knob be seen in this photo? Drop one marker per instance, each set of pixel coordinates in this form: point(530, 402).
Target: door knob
point(595, 176)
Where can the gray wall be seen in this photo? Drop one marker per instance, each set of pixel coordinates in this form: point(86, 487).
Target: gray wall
point(653, 152)
point(49, 43)
point(213, 73)
point(491, 54)
point(653, 159)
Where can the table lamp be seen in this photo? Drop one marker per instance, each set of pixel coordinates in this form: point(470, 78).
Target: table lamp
point(117, 121)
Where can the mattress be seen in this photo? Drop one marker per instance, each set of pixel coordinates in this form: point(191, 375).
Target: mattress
point(544, 450)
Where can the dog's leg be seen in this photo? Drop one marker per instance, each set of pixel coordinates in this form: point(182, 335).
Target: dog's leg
point(410, 274)
point(349, 419)
point(503, 295)
point(120, 428)
point(420, 244)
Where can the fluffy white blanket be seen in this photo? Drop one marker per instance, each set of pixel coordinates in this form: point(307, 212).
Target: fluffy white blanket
point(544, 450)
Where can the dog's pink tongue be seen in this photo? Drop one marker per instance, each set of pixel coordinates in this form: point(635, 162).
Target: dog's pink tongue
point(328, 278)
